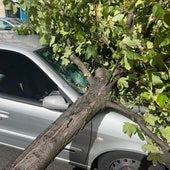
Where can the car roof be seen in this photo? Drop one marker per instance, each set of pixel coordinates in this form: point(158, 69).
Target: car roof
point(9, 18)
point(4, 18)
point(12, 40)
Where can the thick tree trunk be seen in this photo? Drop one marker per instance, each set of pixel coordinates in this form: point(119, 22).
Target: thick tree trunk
point(48, 144)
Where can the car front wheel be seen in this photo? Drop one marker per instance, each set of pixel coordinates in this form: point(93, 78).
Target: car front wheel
point(125, 161)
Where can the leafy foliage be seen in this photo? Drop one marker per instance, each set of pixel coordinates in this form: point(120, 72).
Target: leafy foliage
point(103, 31)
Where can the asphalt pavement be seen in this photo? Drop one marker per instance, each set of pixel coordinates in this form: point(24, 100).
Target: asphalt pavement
point(8, 155)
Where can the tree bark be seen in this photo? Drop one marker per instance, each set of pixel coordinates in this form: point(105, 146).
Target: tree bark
point(44, 149)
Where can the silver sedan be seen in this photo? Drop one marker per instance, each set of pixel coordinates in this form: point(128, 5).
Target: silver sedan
point(35, 90)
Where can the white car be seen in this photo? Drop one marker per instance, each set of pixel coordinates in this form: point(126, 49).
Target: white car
point(29, 81)
point(7, 24)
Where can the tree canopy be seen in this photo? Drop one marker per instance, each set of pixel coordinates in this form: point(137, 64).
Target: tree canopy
point(131, 36)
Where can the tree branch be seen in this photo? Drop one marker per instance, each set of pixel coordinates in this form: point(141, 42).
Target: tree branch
point(105, 42)
point(130, 19)
point(139, 120)
point(116, 73)
point(82, 67)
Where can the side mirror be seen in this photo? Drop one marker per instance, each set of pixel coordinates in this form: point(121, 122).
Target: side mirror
point(55, 102)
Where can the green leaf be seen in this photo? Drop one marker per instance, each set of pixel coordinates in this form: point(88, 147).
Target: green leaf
point(132, 55)
point(151, 119)
point(67, 52)
point(65, 61)
point(158, 11)
point(131, 42)
point(140, 134)
point(118, 16)
point(55, 48)
point(90, 52)
point(165, 42)
point(167, 17)
point(127, 63)
point(155, 158)
point(156, 79)
point(43, 40)
point(122, 83)
point(139, 2)
point(150, 148)
point(53, 38)
point(64, 32)
point(146, 95)
point(149, 45)
point(80, 36)
point(161, 100)
point(129, 129)
point(166, 133)
point(150, 54)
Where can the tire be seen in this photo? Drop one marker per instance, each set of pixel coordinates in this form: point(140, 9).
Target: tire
point(125, 161)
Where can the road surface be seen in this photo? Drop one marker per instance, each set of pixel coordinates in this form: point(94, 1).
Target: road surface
point(8, 155)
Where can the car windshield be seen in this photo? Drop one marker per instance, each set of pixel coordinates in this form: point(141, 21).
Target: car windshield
point(70, 72)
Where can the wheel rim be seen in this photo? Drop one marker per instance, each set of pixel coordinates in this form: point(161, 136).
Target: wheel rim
point(125, 164)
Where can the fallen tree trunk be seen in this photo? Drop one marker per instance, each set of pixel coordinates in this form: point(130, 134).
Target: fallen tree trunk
point(44, 149)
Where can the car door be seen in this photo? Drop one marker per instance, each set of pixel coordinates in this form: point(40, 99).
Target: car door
point(22, 121)
point(23, 87)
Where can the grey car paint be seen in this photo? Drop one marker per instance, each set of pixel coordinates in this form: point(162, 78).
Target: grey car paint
point(22, 121)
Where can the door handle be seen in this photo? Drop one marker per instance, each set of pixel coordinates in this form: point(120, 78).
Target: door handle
point(4, 114)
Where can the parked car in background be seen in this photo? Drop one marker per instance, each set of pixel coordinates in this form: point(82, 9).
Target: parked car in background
point(34, 91)
point(8, 24)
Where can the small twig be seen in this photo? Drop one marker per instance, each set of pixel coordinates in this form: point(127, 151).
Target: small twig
point(116, 72)
point(105, 41)
point(130, 19)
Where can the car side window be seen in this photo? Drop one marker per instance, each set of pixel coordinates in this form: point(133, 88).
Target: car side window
point(20, 77)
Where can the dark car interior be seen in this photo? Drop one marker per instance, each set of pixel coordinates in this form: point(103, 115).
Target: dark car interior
point(19, 76)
